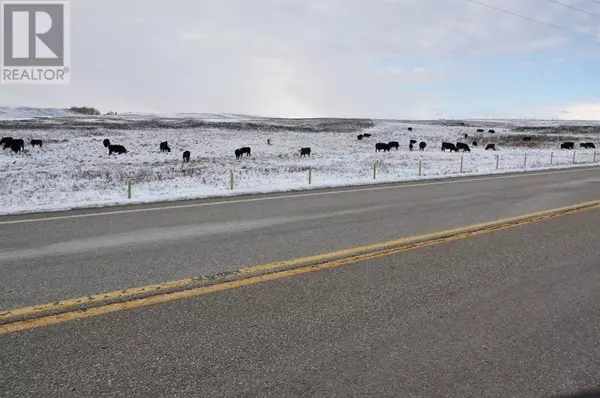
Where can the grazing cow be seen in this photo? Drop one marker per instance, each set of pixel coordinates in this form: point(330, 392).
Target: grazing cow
point(118, 149)
point(305, 151)
point(36, 142)
point(268, 141)
point(410, 147)
point(526, 139)
point(413, 141)
point(366, 135)
point(245, 150)
point(587, 145)
point(451, 147)
point(164, 147)
point(6, 140)
point(567, 145)
point(382, 147)
point(186, 157)
point(466, 135)
point(394, 144)
point(106, 142)
point(492, 131)
point(17, 145)
point(480, 130)
point(410, 129)
point(422, 145)
point(238, 153)
point(490, 147)
point(359, 137)
point(463, 147)
point(474, 143)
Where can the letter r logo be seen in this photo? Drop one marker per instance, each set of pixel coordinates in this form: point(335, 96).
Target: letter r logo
point(33, 34)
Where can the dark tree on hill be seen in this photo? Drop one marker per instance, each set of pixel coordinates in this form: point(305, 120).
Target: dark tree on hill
point(84, 110)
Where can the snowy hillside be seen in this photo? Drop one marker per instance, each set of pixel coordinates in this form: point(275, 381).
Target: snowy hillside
point(73, 168)
point(31, 113)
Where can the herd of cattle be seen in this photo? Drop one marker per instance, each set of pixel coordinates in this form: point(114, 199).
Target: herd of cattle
point(460, 146)
point(17, 145)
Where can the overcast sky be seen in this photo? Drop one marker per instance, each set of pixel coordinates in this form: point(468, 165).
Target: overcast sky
point(349, 58)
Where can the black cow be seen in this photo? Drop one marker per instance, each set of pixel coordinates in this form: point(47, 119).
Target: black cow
point(410, 129)
point(118, 149)
point(492, 131)
point(490, 147)
point(238, 153)
point(474, 143)
point(480, 130)
point(382, 147)
point(164, 147)
point(463, 147)
point(588, 145)
point(17, 145)
point(245, 150)
point(567, 145)
point(36, 142)
point(359, 137)
point(186, 156)
point(268, 141)
point(413, 141)
point(466, 135)
point(422, 145)
point(106, 142)
point(366, 135)
point(394, 144)
point(410, 147)
point(305, 151)
point(450, 146)
point(526, 139)
point(6, 140)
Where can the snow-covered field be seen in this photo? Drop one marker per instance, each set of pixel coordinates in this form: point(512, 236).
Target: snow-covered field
point(28, 113)
point(73, 168)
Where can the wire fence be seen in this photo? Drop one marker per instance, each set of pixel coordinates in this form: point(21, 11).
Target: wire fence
point(308, 175)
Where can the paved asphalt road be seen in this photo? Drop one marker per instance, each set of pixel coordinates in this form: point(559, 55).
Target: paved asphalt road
point(51, 260)
point(512, 313)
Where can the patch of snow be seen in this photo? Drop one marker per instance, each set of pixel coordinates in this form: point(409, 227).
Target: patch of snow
point(73, 169)
point(22, 113)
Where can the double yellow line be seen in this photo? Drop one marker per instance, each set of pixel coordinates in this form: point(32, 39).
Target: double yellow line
point(105, 303)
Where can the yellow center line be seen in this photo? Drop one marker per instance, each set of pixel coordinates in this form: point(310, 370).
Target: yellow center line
point(277, 271)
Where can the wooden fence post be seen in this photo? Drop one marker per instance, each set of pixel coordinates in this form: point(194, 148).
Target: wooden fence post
point(525, 162)
point(374, 170)
point(309, 176)
point(551, 158)
point(420, 168)
point(462, 161)
point(497, 161)
point(231, 180)
point(128, 189)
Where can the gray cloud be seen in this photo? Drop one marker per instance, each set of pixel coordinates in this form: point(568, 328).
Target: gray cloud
point(288, 57)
